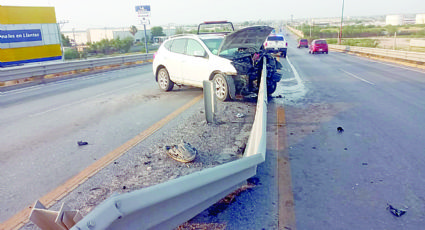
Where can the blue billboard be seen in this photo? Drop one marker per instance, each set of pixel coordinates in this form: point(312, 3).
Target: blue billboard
point(12, 36)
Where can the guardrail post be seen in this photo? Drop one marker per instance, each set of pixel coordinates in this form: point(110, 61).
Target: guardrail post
point(209, 101)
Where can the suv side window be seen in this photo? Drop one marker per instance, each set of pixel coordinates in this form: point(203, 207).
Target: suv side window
point(167, 44)
point(178, 45)
point(193, 48)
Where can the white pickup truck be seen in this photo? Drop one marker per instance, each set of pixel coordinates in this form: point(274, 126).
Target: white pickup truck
point(276, 44)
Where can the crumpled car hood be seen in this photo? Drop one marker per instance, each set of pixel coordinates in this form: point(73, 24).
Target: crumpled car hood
point(249, 37)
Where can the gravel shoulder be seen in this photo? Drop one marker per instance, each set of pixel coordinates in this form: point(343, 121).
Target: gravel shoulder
point(148, 164)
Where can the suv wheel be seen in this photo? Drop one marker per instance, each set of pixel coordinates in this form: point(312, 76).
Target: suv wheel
point(221, 87)
point(271, 87)
point(164, 82)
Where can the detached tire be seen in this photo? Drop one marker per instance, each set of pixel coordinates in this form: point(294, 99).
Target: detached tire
point(164, 82)
point(271, 88)
point(221, 88)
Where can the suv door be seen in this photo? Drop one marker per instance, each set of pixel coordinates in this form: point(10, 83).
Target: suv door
point(195, 63)
point(175, 58)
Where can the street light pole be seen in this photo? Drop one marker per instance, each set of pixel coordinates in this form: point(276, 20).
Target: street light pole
point(342, 17)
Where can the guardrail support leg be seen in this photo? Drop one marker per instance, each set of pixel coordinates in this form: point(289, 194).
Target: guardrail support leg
point(209, 101)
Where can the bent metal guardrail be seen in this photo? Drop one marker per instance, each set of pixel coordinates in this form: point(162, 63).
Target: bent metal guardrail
point(22, 72)
point(167, 205)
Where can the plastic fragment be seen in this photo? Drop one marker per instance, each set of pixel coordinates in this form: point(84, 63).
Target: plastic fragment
point(183, 152)
point(81, 143)
point(396, 212)
point(240, 115)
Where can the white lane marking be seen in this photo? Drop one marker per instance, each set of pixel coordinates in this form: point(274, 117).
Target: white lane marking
point(389, 64)
point(80, 101)
point(296, 75)
point(361, 79)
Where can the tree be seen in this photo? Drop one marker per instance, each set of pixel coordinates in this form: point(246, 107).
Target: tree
point(157, 31)
point(133, 30)
point(179, 30)
point(65, 40)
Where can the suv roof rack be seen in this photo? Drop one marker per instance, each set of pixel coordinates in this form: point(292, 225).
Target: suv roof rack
point(215, 23)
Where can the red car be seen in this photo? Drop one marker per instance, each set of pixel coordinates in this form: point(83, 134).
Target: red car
point(318, 46)
point(302, 43)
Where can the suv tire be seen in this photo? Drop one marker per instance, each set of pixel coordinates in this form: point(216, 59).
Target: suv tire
point(164, 82)
point(271, 87)
point(221, 87)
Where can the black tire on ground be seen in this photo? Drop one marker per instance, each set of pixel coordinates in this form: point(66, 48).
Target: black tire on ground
point(164, 82)
point(327, 52)
point(283, 54)
point(221, 88)
point(271, 87)
point(309, 52)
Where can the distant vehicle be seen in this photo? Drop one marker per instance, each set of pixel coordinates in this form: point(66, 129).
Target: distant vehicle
point(302, 43)
point(233, 61)
point(318, 46)
point(276, 44)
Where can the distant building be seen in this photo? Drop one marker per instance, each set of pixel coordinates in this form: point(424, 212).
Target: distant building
point(79, 37)
point(420, 19)
point(394, 20)
point(76, 37)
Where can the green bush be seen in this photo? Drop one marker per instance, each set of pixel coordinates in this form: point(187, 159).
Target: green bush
point(71, 54)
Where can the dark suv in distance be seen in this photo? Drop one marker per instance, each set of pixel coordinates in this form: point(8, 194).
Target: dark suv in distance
point(318, 46)
point(302, 43)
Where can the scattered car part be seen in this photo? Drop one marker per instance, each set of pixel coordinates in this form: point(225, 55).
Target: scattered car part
point(396, 212)
point(240, 115)
point(340, 130)
point(183, 152)
point(81, 143)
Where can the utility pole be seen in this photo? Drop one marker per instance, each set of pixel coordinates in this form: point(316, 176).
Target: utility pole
point(395, 40)
point(342, 18)
point(146, 39)
point(310, 26)
point(60, 24)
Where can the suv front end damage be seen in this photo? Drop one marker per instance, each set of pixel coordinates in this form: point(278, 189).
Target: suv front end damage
point(246, 51)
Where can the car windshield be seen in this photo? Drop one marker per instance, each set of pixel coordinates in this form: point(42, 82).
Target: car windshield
point(213, 44)
point(320, 42)
point(303, 40)
point(275, 38)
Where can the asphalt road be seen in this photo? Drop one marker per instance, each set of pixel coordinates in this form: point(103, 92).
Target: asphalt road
point(339, 180)
point(345, 180)
point(40, 127)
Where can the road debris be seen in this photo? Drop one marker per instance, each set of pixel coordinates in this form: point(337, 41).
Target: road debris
point(81, 143)
point(240, 115)
point(396, 212)
point(340, 130)
point(183, 152)
point(364, 164)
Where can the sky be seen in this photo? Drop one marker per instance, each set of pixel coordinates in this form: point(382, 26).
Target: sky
point(83, 14)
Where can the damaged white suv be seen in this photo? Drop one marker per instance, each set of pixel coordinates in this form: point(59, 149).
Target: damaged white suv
point(232, 61)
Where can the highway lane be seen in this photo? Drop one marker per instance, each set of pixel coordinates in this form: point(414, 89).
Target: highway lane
point(345, 180)
point(40, 127)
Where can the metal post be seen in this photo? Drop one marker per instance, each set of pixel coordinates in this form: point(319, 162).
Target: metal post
point(395, 40)
point(209, 101)
point(146, 39)
point(342, 17)
point(310, 26)
point(60, 39)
